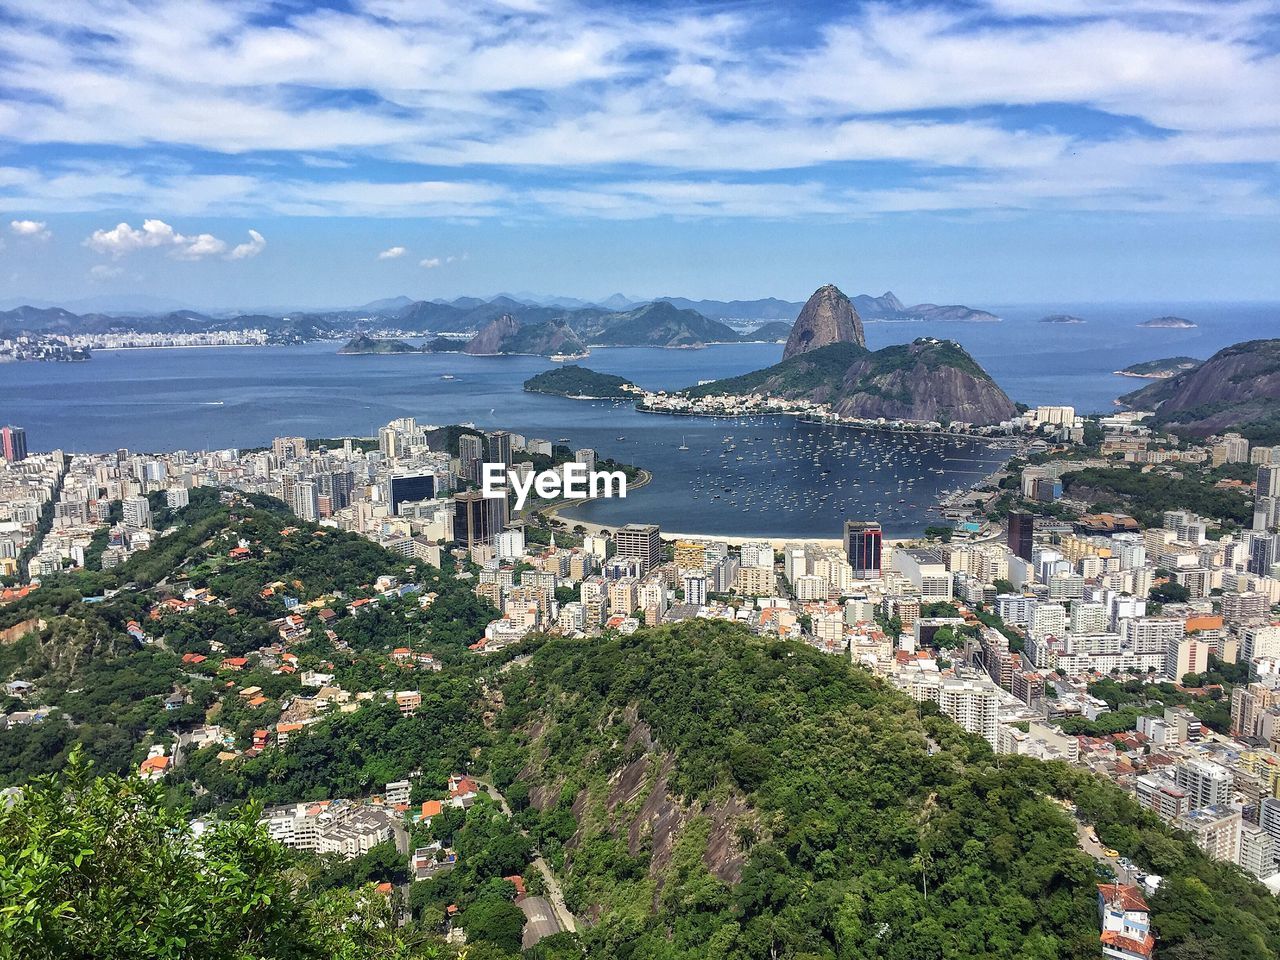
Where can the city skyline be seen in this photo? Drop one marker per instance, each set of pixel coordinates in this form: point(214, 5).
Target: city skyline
point(230, 155)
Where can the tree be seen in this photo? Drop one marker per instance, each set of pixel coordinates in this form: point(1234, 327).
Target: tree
point(99, 866)
point(498, 921)
point(1170, 592)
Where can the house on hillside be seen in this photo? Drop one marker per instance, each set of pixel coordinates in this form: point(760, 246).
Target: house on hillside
point(1126, 922)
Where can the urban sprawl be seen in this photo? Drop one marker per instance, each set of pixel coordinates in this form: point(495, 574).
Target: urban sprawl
point(1048, 622)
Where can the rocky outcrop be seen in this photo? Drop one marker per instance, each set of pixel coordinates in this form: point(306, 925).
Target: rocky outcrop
point(506, 334)
point(492, 336)
point(926, 380)
point(828, 317)
point(1238, 388)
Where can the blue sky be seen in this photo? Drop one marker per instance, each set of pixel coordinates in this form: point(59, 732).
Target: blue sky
point(245, 152)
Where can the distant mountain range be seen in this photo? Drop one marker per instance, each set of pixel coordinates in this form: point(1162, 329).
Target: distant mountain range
point(619, 321)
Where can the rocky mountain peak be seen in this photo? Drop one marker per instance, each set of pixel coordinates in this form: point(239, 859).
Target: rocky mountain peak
point(828, 317)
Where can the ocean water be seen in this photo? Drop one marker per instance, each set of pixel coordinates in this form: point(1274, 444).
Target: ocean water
point(783, 478)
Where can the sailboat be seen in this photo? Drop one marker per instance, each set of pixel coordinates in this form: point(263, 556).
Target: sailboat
point(684, 445)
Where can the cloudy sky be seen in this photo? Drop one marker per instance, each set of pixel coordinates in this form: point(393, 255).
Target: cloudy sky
point(249, 152)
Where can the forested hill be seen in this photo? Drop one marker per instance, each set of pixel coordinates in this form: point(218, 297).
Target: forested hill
point(708, 793)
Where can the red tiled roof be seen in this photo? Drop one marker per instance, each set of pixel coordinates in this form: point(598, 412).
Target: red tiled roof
point(1126, 894)
point(1114, 938)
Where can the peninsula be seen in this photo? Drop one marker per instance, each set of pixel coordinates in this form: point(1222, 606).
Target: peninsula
point(1159, 369)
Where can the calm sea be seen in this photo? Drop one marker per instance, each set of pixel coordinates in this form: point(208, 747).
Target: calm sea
point(768, 477)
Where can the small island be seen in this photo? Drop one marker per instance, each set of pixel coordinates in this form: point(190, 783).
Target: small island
point(579, 383)
point(1167, 323)
point(1159, 369)
point(1065, 318)
point(362, 344)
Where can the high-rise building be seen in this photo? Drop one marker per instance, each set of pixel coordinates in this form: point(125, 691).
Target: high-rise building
point(500, 447)
point(1257, 851)
point(289, 448)
point(695, 589)
point(1207, 784)
point(137, 512)
point(13, 443)
point(1263, 552)
point(862, 545)
point(640, 541)
point(1268, 484)
point(1021, 533)
point(471, 456)
point(410, 488)
point(336, 487)
point(972, 703)
point(478, 519)
point(305, 500)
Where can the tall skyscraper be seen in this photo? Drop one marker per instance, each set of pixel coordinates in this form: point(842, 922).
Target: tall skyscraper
point(1021, 530)
point(477, 518)
point(13, 443)
point(471, 456)
point(1263, 552)
point(305, 500)
point(500, 448)
point(863, 540)
point(641, 541)
point(1268, 480)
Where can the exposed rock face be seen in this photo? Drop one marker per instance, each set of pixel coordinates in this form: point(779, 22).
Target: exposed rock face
point(923, 380)
point(506, 334)
point(493, 335)
point(1238, 388)
point(828, 317)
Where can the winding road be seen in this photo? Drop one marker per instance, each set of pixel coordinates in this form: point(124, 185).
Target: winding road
point(536, 908)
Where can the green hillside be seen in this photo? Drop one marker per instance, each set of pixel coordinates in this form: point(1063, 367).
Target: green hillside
point(710, 794)
point(572, 380)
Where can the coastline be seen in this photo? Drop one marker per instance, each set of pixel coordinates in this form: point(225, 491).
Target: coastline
point(552, 511)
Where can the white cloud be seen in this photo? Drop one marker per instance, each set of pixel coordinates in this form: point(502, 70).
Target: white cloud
point(431, 263)
point(34, 229)
point(103, 272)
point(391, 253)
point(122, 240)
point(250, 248)
point(198, 247)
point(620, 106)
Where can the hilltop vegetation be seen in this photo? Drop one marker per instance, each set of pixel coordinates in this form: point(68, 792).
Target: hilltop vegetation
point(107, 689)
point(708, 793)
point(927, 379)
point(572, 380)
point(363, 344)
point(1159, 369)
point(99, 867)
point(1235, 389)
